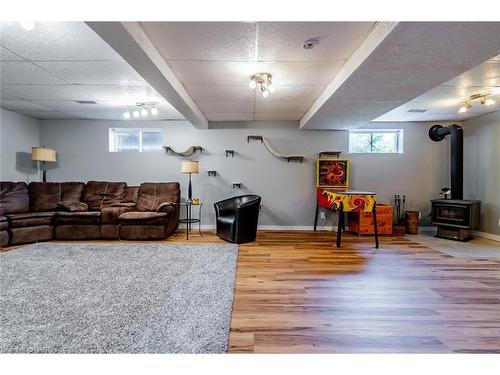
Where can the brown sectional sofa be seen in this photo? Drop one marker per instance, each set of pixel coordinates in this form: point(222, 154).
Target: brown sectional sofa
point(42, 211)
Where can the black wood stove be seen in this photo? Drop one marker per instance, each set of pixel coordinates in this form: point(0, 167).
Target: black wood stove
point(455, 218)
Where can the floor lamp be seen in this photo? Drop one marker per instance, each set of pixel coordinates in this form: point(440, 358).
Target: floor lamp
point(190, 167)
point(43, 155)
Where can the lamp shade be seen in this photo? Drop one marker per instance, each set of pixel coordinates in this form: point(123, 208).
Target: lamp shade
point(43, 154)
point(189, 166)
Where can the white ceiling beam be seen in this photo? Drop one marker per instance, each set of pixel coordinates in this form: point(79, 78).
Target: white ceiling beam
point(133, 45)
point(395, 64)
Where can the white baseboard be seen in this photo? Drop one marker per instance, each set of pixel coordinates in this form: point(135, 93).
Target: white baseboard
point(489, 236)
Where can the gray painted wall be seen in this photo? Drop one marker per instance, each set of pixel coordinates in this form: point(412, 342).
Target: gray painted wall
point(288, 190)
point(18, 134)
point(482, 167)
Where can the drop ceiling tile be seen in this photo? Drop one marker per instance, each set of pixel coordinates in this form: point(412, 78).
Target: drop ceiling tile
point(278, 116)
point(85, 92)
point(305, 93)
point(282, 41)
point(282, 107)
point(4, 95)
point(95, 72)
point(56, 41)
point(486, 74)
point(221, 41)
point(228, 107)
point(48, 115)
point(229, 116)
point(239, 73)
point(20, 105)
point(72, 106)
point(221, 93)
point(6, 55)
point(18, 73)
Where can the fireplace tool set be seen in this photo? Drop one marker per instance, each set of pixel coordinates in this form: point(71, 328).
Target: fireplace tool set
point(399, 208)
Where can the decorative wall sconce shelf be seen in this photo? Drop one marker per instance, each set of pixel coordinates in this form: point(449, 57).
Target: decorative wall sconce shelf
point(229, 153)
point(190, 151)
point(273, 151)
point(237, 185)
point(212, 173)
point(336, 154)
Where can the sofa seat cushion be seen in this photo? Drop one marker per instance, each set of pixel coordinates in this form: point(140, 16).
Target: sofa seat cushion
point(4, 224)
point(72, 206)
point(110, 215)
point(139, 217)
point(30, 219)
point(46, 196)
point(78, 218)
point(99, 194)
point(13, 197)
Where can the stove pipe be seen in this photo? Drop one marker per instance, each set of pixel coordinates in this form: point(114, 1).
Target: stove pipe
point(438, 133)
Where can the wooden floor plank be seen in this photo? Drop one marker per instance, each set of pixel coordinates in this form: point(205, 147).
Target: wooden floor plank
point(297, 293)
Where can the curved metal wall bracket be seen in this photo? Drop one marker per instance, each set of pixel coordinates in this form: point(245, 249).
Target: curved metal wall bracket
point(190, 151)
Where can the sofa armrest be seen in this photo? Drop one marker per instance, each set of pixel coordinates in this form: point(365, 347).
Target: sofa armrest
point(166, 207)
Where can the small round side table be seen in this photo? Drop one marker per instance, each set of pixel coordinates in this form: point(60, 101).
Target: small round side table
point(189, 220)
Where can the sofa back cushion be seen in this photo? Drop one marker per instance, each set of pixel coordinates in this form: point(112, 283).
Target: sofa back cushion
point(45, 196)
point(151, 195)
point(13, 197)
point(99, 194)
point(132, 194)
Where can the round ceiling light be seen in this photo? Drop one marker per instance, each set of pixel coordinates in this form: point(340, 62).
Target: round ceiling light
point(264, 82)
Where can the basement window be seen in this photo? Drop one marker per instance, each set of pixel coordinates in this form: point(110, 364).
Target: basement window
point(376, 141)
point(135, 140)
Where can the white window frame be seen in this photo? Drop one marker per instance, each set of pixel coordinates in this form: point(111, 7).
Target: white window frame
point(399, 140)
point(113, 136)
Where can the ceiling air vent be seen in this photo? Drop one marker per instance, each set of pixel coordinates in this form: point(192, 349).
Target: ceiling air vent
point(85, 102)
point(417, 110)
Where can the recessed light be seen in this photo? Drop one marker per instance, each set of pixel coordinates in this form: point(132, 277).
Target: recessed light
point(144, 112)
point(126, 115)
point(136, 114)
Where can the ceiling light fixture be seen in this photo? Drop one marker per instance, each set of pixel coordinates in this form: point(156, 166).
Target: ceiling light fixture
point(465, 107)
point(141, 109)
point(484, 99)
point(264, 82)
point(27, 25)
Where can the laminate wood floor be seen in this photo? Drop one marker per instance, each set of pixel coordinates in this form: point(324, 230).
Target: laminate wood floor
point(297, 293)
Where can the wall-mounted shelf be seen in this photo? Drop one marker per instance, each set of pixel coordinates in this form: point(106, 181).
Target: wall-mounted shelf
point(237, 185)
point(273, 151)
point(229, 153)
point(212, 173)
point(324, 154)
point(190, 151)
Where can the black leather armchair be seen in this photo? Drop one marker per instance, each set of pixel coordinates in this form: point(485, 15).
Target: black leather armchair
point(237, 218)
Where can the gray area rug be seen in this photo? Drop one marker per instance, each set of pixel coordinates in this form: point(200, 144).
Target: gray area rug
point(117, 298)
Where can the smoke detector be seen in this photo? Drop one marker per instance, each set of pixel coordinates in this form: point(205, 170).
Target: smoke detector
point(310, 44)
